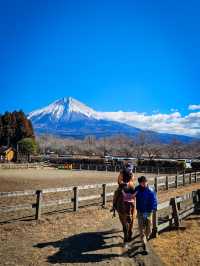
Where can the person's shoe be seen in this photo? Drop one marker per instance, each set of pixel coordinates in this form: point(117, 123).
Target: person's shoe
point(150, 237)
point(113, 211)
point(145, 249)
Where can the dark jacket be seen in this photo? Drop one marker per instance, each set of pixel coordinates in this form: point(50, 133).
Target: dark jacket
point(146, 200)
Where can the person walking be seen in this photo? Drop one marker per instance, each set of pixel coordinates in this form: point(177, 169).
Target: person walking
point(146, 203)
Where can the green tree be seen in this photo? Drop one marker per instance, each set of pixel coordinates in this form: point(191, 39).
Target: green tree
point(27, 146)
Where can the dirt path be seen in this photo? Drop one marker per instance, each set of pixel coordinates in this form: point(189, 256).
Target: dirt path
point(89, 237)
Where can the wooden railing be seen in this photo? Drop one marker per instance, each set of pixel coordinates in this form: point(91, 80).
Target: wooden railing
point(39, 204)
point(167, 182)
point(159, 183)
point(19, 165)
point(177, 209)
point(90, 167)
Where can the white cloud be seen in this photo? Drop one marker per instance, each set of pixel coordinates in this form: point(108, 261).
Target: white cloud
point(167, 123)
point(194, 107)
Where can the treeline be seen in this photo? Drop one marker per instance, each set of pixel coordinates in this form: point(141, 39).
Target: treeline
point(141, 146)
point(14, 127)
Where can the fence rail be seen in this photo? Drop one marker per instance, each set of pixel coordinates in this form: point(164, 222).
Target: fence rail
point(20, 165)
point(178, 211)
point(159, 183)
point(92, 167)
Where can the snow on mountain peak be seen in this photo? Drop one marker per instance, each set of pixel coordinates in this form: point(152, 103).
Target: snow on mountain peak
point(64, 108)
point(78, 107)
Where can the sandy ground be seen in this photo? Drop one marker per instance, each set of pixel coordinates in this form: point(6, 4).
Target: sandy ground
point(15, 179)
point(90, 236)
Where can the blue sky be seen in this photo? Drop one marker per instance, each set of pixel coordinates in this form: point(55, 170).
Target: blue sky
point(113, 55)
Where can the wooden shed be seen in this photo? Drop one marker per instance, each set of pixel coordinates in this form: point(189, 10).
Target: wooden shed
point(7, 154)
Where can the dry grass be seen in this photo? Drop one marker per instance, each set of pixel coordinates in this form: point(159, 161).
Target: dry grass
point(180, 248)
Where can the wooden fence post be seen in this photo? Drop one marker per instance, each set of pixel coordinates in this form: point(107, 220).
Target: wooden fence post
point(156, 184)
point(178, 204)
point(104, 196)
point(198, 196)
point(38, 204)
point(195, 198)
point(175, 212)
point(167, 182)
point(155, 224)
point(75, 199)
point(195, 177)
point(176, 181)
point(190, 178)
point(183, 178)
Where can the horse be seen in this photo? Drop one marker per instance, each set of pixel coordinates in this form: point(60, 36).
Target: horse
point(126, 211)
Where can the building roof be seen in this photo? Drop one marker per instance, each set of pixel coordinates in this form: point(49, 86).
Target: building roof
point(4, 149)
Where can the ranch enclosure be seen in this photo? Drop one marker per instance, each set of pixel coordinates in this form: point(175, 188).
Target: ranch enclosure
point(42, 179)
point(72, 197)
point(62, 221)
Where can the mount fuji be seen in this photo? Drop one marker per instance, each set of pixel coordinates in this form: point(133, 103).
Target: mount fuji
point(67, 117)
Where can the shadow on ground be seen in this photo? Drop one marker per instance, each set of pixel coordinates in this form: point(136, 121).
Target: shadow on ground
point(83, 248)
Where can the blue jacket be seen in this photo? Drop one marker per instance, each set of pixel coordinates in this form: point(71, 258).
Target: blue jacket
point(146, 200)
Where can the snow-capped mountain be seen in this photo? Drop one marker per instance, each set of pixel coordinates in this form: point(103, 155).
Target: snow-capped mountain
point(69, 117)
point(63, 109)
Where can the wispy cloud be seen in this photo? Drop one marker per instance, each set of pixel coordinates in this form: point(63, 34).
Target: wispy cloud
point(194, 107)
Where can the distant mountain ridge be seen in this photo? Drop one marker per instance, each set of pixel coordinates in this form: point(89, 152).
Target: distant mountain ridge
point(67, 117)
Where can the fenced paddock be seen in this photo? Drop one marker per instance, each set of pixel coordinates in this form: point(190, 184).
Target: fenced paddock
point(38, 202)
point(91, 167)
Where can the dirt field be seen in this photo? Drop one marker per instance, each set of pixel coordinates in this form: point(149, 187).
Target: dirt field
point(13, 180)
point(89, 237)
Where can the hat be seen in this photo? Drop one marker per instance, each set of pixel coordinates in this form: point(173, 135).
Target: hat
point(142, 179)
point(129, 167)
